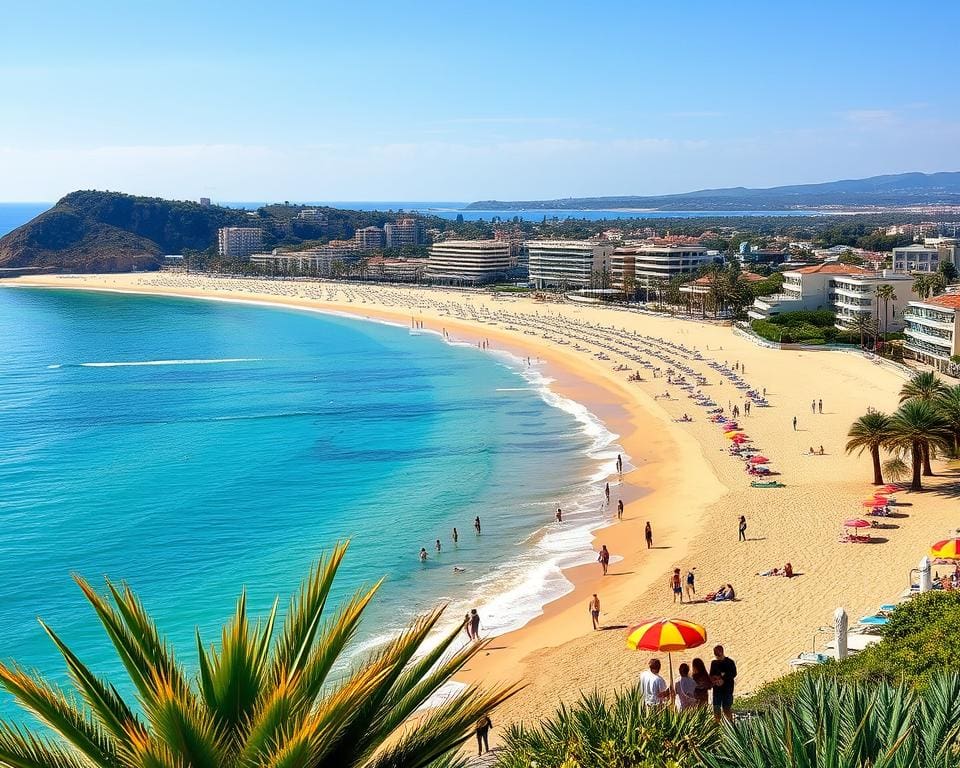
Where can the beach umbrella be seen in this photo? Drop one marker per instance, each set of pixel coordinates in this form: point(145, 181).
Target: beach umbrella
point(758, 460)
point(666, 636)
point(856, 523)
point(888, 488)
point(948, 549)
point(874, 503)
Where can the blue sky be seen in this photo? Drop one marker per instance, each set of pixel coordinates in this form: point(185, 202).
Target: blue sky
point(462, 101)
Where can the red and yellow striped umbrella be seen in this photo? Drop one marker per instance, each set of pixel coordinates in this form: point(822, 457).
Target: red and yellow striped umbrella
point(948, 549)
point(666, 635)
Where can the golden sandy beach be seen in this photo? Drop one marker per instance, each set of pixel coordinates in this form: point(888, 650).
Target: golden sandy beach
point(684, 483)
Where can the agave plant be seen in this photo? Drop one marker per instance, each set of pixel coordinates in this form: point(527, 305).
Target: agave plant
point(828, 724)
point(614, 732)
point(270, 696)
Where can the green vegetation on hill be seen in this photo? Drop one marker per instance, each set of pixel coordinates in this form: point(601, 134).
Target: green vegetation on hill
point(92, 231)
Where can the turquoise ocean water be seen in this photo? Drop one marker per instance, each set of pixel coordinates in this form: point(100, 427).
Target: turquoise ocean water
point(194, 447)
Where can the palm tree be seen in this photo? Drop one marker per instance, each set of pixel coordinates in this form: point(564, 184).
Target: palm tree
point(925, 386)
point(870, 432)
point(263, 698)
point(860, 323)
point(921, 286)
point(830, 723)
point(886, 293)
point(917, 423)
point(948, 404)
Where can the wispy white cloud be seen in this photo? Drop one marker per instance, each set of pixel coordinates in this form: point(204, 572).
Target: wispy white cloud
point(870, 117)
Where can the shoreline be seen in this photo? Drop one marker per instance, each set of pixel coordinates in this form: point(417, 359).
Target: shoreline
point(557, 621)
point(683, 480)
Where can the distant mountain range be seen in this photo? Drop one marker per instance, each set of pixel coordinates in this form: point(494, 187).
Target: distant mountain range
point(894, 190)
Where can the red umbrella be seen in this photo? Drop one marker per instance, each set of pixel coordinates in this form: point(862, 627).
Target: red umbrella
point(856, 523)
point(759, 460)
point(887, 489)
point(874, 503)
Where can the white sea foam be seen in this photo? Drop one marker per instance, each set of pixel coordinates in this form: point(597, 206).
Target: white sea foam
point(134, 363)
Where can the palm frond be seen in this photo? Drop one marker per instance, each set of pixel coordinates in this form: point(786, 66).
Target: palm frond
point(20, 749)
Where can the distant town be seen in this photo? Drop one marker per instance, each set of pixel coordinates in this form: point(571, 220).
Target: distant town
point(905, 298)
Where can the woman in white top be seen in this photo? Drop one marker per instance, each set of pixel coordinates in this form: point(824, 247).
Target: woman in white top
point(685, 688)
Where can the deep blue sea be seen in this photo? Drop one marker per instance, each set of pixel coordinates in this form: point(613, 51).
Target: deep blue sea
point(196, 447)
point(12, 215)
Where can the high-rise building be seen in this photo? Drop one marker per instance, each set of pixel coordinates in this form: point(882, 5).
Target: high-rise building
point(650, 264)
point(239, 242)
point(403, 232)
point(369, 238)
point(933, 331)
point(470, 261)
point(569, 264)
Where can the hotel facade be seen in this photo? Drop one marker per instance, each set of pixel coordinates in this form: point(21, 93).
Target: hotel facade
point(646, 265)
point(568, 264)
point(470, 261)
point(239, 242)
point(844, 289)
point(933, 332)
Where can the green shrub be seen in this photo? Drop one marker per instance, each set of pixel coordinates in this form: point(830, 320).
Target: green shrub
point(614, 732)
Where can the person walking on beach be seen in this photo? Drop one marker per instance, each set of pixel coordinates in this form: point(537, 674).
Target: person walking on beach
point(475, 623)
point(594, 608)
point(559, 515)
point(456, 536)
point(723, 673)
point(604, 558)
point(648, 535)
point(606, 492)
point(476, 524)
point(813, 406)
point(794, 423)
point(820, 405)
point(742, 528)
point(484, 724)
point(619, 509)
point(691, 586)
point(467, 627)
point(676, 585)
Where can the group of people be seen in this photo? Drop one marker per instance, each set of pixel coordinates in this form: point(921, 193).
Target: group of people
point(693, 688)
point(455, 535)
point(678, 584)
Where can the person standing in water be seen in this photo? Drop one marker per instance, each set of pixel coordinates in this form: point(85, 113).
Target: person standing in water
point(559, 515)
point(606, 492)
point(620, 465)
point(648, 535)
point(619, 509)
point(594, 608)
point(476, 524)
point(437, 545)
point(423, 555)
point(456, 536)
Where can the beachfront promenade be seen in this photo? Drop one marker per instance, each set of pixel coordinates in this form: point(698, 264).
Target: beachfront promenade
point(641, 374)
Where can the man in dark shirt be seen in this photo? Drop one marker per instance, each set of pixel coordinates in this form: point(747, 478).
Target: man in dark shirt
point(723, 672)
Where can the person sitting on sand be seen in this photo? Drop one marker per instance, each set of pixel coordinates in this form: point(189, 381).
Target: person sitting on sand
point(724, 593)
point(771, 572)
point(788, 571)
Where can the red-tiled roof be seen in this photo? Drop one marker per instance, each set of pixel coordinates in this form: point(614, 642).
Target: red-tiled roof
point(831, 268)
point(949, 300)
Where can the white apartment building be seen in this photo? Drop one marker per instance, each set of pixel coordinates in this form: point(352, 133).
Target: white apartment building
point(648, 264)
point(568, 264)
point(470, 261)
point(317, 262)
point(933, 331)
point(369, 238)
point(403, 232)
point(928, 257)
point(845, 289)
point(239, 242)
